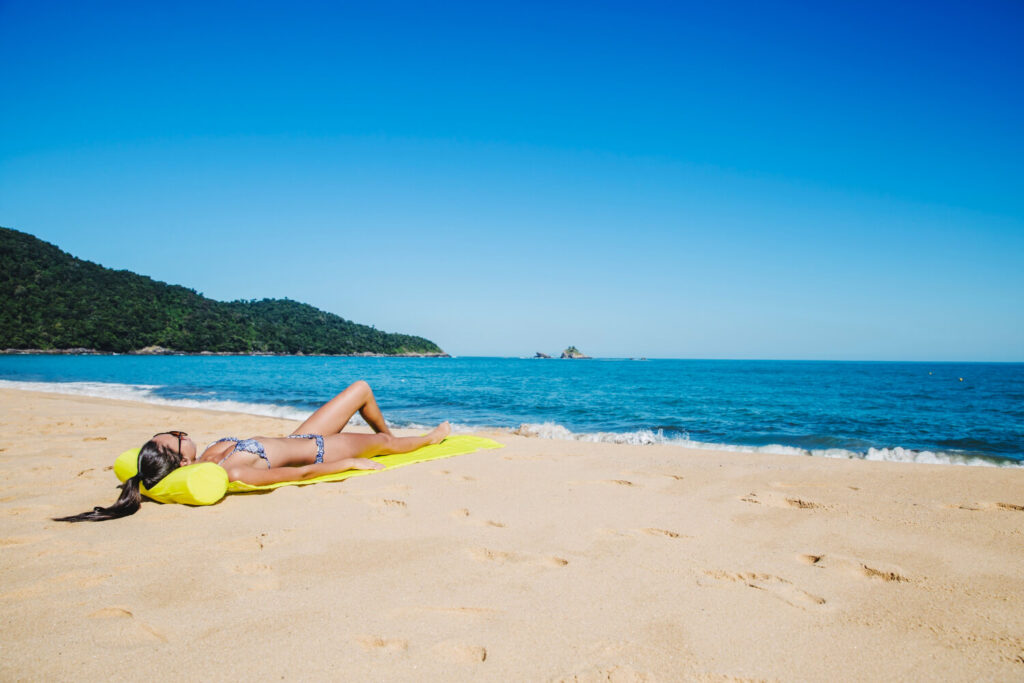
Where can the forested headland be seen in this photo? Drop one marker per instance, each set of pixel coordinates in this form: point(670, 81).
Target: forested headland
point(52, 301)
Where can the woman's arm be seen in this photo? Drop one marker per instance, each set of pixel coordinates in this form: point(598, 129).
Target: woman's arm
point(274, 475)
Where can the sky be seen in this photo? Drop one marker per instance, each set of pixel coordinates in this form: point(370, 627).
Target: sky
point(678, 180)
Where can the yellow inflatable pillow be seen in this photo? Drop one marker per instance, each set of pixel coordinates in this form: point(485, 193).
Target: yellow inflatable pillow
point(203, 483)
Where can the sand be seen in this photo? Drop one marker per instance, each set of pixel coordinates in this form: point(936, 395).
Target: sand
point(544, 560)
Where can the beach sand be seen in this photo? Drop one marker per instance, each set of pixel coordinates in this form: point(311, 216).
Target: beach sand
point(544, 560)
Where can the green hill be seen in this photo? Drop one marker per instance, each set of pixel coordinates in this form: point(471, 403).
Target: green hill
point(51, 300)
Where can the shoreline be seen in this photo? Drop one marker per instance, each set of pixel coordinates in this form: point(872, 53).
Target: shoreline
point(549, 430)
point(544, 560)
point(414, 354)
point(160, 351)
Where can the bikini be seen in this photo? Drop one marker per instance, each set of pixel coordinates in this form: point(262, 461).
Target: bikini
point(255, 447)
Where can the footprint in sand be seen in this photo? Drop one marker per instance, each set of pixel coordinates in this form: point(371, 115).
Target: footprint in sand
point(978, 507)
point(460, 653)
point(122, 629)
point(615, 482)
point(391, 506)
point(651, 475)
point(803, 504)
point(249, 543)
point(773, 500)
point(456, 477)
point(853, 567)
point(256, 577)
point(887, 576)
point(776, 586)
point(502, 557)
point(645, 531)
point(603, 674)
point(463, 513)
point(651, 531)
point(382, 645)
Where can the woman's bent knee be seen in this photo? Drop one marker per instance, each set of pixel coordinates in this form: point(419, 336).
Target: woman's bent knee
point(360, 385)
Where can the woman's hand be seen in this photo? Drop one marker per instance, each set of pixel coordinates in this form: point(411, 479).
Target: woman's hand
point(362, 464)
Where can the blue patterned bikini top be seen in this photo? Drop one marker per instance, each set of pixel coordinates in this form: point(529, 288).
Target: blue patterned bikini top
point(247, 445)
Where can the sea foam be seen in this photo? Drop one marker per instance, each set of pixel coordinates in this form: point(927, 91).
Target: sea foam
point(646, 437)
point(144, 393)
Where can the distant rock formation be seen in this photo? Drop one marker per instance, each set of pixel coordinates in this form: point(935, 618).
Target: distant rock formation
point(573, 352)
point(153, 351)
point(541, 354)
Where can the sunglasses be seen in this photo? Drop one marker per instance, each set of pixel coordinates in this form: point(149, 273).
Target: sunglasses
point(177, 433)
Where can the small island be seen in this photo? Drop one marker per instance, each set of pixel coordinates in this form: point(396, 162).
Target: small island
point(541, 354)
point(573, 352)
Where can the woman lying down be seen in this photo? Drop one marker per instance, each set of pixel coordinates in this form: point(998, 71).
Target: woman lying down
point(316, 448)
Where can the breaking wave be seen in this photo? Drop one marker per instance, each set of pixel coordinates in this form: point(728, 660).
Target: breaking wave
point(146, 393)
point(647, 437)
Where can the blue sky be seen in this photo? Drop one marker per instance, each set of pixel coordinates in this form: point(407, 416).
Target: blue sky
point(695, 180)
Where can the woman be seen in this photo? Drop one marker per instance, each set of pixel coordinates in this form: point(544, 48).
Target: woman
point(316, 448)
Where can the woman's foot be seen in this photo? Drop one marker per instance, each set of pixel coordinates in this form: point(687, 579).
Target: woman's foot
point(439, 432)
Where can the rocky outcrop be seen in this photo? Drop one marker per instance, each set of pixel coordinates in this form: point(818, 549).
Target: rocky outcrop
point(573, 352)
point(153, 351)
point(52, 352)
point(541, 354)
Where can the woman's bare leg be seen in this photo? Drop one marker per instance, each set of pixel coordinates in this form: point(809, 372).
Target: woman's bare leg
point(331, 417)
point(341, 446)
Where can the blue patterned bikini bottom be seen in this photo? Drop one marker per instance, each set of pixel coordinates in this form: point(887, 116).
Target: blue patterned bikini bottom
point(254, 446)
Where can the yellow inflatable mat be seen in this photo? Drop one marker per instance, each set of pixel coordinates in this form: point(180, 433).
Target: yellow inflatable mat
point(206, 483)
point(453, 445)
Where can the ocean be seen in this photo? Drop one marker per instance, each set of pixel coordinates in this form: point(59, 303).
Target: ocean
point(952, 413)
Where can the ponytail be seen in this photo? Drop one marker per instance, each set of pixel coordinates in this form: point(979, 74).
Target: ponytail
point(128, 503)
point(155, 463)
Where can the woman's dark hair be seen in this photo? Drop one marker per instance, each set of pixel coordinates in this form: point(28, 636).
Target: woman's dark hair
point(155, 463)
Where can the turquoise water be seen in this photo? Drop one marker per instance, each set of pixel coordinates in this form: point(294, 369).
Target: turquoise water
point(888, 411)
